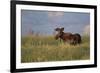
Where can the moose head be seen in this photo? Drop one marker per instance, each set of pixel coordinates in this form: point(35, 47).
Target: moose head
point(59, 32)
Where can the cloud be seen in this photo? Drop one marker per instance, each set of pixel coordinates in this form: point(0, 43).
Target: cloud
point(55, 17)
point(86, 30)
point(55, 14)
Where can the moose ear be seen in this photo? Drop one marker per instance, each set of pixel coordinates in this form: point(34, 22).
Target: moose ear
point(62, 29)
point(57, 29)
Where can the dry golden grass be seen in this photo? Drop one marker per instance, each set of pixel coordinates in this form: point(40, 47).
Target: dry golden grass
point(46, 48)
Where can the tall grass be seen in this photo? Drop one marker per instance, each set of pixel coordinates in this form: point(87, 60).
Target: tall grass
point(46, 48)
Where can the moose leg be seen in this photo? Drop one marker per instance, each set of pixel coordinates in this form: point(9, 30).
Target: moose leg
point(60, 39)
point(71, 41)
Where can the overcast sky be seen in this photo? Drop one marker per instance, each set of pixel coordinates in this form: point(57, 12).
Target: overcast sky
point(45, 22)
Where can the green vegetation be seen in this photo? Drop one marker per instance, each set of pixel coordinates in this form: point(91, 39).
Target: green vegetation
point(46, 48)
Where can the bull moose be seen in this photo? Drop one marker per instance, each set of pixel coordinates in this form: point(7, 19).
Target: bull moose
point(68, 37)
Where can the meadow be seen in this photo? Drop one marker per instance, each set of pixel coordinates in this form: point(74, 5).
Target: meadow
point(46, 48)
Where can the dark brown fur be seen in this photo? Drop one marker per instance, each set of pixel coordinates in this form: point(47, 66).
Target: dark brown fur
point(68, 37)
